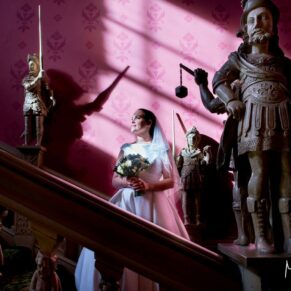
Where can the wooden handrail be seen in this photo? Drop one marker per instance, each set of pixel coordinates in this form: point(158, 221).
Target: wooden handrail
point(84, 217)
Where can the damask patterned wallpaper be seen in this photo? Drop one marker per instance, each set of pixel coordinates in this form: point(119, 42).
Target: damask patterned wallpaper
point(87, 43)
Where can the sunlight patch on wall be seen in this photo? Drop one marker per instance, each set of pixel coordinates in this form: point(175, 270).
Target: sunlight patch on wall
point(153, 38)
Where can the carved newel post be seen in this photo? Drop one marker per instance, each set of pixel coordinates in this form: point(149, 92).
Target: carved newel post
point(45, 277)
point(110, 270)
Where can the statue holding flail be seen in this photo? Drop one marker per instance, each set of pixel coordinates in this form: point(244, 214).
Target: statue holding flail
point(38, 100)
point(260, 114)
point(191, 164)
point(229, 161)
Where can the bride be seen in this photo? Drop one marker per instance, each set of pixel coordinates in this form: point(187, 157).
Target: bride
point(159, 185)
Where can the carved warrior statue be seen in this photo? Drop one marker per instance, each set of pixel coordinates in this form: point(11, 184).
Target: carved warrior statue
point(38, 100)
point(45, 277)
point(239, 192)
point(190, 163)
point(261, 115)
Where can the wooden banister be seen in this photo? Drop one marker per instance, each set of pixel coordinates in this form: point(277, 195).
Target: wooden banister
point(83, 216)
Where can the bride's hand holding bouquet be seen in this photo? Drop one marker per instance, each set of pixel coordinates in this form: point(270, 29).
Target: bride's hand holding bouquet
point(130, 167)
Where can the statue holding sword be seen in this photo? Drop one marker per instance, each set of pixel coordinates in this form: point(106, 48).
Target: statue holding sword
point(38, 97)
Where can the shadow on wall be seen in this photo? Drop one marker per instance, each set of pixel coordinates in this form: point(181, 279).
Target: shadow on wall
point(63, 133)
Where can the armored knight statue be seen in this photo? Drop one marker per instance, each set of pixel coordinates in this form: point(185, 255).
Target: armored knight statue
point(37, 102)
point(190, 163)
point(261, 114)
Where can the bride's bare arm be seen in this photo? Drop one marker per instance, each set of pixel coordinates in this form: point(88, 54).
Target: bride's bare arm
point(119, 182)
point(161, 185)
point(164, 184)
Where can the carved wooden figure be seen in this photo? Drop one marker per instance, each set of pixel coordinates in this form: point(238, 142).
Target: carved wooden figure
point(190, 164)
point(37, 102)
point(47, 243)
point(261, 114)
point(45, 277)
point(240, 172)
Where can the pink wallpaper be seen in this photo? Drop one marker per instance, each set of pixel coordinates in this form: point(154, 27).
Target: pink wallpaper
point(88, 43)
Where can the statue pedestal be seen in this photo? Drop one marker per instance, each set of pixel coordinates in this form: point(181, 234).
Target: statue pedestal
point(32, 154)
point(260, 272)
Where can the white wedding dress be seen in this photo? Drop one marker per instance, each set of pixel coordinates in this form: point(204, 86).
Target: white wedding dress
point(157, 207)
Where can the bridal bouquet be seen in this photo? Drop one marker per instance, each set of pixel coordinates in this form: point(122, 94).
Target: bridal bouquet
point(130, 166)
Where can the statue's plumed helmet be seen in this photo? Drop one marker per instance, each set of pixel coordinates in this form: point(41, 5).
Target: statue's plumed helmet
point(249, 5)
point(34, 58)
point(193, 130)
point(197, 134)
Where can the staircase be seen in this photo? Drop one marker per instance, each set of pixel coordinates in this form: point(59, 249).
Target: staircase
point(83, 215)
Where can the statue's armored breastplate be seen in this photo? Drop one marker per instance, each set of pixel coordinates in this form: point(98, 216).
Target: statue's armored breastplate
point(190, 165)
point(263, 80)
point(35, 89)
point(267, 113)
point(261, 91)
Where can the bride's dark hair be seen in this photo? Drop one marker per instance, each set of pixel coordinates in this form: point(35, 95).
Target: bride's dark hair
point(149, 116)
